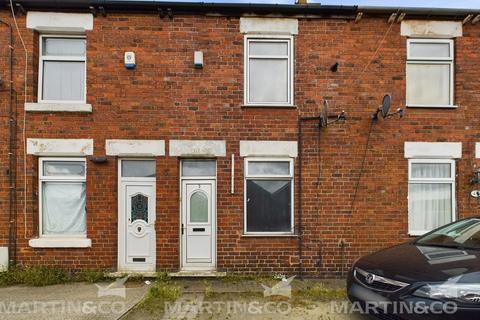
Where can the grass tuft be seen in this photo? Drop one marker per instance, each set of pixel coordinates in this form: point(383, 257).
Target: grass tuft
point(208, 291)
point(34, 276)
point(164, 291)
point(91, 276)
point(163, 276)
point(44, 275)
point(157, 295)
point(321, 292)
point(9, 277)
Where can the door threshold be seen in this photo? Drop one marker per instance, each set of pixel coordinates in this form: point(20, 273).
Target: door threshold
point(197, 274)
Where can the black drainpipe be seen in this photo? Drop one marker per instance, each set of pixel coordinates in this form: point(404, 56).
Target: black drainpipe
point(300, 225)
point(12, 243)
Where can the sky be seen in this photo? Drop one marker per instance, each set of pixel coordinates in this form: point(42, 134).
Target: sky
point(460, 4)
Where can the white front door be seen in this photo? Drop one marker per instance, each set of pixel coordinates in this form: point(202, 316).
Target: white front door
point(198, 225)
point(136, 224)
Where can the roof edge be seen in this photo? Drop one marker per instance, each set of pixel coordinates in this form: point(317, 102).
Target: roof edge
point(231, 9)
point(184, 7)
point(427, 11)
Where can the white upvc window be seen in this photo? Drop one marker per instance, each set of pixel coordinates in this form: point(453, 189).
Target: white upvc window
point(269, 196)
point(62, 69)
point(431, 194)
point(62, 197)
point(430, 73)
point(268, 71)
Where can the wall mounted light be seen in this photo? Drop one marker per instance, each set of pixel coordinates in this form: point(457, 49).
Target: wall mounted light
point(98, 159)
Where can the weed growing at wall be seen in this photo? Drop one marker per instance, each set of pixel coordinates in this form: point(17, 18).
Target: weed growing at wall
point(43, 276)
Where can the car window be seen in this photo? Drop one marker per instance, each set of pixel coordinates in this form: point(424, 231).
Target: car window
point(464, 233)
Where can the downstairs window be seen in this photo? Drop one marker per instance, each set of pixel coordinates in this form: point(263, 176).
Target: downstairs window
point(62, 197)
point(269, 196)
point(431, 194)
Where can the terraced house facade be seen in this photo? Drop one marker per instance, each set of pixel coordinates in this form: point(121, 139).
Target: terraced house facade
point(145, 136)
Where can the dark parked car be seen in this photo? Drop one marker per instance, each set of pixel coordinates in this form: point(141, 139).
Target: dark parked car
point(437, 276)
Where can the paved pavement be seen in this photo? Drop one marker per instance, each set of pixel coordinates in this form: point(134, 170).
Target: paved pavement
point(111, 300)
point(244, 300)
point(73, 301)
point(192, 306)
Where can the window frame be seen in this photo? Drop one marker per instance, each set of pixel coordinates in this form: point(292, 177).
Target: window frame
point(186, 177)
point(120, 171)
point(451, 180)
point(43, 58)
point(290, 177)
point(290, 58)
point(42, 178)
point(450, 61)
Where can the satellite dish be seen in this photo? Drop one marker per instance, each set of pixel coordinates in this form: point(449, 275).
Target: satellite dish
point(324, 116)
point(385, 107)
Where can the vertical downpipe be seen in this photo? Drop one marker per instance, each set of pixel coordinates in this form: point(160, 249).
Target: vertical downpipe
point(300, 192)
point(300, 226)
point(232, 187)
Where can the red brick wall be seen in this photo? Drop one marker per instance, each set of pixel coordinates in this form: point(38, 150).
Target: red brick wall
point(166, 98)
point(4, 76)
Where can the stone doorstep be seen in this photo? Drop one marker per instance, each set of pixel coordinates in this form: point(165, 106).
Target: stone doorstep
point(121, 274)
point(197, 274)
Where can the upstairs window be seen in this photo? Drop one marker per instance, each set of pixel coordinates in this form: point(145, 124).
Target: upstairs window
point(430, 73)
point(268, 71)
point(62, 69)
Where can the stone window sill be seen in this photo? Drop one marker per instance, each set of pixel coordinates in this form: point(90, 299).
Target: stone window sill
point(269, 235)
point(259, 105)
point(432, 106)
point(58, 107)
point(60, 243)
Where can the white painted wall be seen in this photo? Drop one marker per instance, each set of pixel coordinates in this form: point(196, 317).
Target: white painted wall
point(3, 258)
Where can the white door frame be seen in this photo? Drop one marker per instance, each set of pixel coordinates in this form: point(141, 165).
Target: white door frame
point(183, 231)
point(121, 216)
point(182, 216)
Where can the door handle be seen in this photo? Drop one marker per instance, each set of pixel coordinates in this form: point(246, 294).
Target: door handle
point(182, 228)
